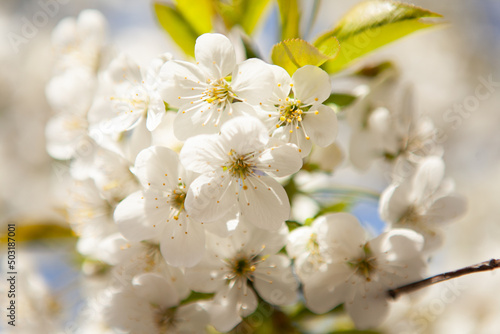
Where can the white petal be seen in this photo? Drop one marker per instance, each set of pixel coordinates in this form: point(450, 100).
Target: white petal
point(321, 127)
point(224, 313)
point(92, 25)
point(252, 81)
point(123, 69)
point(65, 134)
point(394, 203)
point(180, 82)
point(367, 312)
point(298, 240)
point(280, 160)
point(325, 289)
point(210, 197)
point(311, 84)
point(339, 235)
point(274, 281)
point(131, 218)
point(183, 242)
point(157, 168)
point(156, 111)
point(255, 240)
point(282, 82)
point(427, 178)
point(215, 55)
point(446, 209)
point(156, 290)
point(203, 154)
point(243, 135)
point(264, 203)
point(192, 318)
point(295, 137)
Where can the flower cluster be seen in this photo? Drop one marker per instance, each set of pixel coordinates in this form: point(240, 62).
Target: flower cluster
point(204, 214)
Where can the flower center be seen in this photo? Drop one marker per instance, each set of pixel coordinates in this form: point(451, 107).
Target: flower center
point(178, 198)
point(164, 318)
point(218, 92)
point(292, 113)
point(132, 100)
point(364, 266)
point(242, 266)
point(239, 166)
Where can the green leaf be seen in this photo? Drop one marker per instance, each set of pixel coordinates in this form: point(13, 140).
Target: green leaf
point(290, 19)
point(252, 13)
point(337, 207)
point(295, 53)
point(174, 23)
point(197, 13)
point(371, 25)
point(196, 296)
point(245, 13)
point(340, 100)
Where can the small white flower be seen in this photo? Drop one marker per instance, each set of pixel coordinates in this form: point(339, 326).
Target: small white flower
point(130, 259)
point(90, 216)
point(215, 89)
point(295, 113)
point(423, 202)
point(127, 97)
point(159, 210)
point(341, 266)
point(249, 255)
point(236, 167)
point(151, 305)
point(79, 42)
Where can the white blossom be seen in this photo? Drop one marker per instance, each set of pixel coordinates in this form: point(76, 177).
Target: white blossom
point(151, 305)
point(423, 202)
point(236, 168)
point(158, 211)
point(295, 113)
point(234, 266)
point(215, 89)
point(339, 265)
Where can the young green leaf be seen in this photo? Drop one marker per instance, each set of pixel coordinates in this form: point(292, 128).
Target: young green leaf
point(290, 19)
point(197, 13)
point(245, 13)
point(371, 25)
point(253, 10)
point(295, 53)
point(174, 23)
point(340, 100)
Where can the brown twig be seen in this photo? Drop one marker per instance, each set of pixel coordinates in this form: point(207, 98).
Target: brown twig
point(483, 266)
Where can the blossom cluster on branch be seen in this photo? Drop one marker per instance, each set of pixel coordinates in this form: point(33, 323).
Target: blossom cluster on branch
point(177, 175)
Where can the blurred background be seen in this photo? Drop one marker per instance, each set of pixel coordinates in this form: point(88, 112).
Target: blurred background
point(445, 65)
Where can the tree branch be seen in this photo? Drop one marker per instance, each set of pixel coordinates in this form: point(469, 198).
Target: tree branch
point(483, 266)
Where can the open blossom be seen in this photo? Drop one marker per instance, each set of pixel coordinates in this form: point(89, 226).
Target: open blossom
point(158, 211)
point(215, 89)
point(236, 168)
point(295, 113)
point(79, 42)
point(423, 202)
point(238, 267)
point(127, 97)
point(347, 268)
point(390, 133)
point(150, 305)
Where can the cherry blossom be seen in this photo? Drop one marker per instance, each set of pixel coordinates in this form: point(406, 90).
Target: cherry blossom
point(337, 264)
point(236, 170)
point(215, 89)
point(295, 113)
